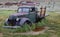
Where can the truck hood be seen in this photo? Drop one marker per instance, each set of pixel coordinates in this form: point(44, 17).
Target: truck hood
point(18, 14)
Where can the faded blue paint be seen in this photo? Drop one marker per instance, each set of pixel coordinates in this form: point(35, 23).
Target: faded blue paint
point(24, 16)
point(23, 20)
point(32, 16)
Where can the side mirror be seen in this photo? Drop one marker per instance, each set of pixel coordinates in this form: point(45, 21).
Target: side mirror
point(30, 10)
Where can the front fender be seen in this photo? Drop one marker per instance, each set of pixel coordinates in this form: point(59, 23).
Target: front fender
point(6, 22)
point(23, 20)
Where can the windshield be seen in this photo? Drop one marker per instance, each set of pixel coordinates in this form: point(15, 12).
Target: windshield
point(23, 9)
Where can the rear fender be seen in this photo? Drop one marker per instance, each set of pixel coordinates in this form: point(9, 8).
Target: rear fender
point(23, 20)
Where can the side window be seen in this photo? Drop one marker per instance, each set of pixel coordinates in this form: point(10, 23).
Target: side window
point(32, 9)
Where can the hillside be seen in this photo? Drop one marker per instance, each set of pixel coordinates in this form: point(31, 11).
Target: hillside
point(24, 0)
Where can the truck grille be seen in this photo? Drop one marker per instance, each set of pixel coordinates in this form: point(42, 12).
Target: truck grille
point(12, 22)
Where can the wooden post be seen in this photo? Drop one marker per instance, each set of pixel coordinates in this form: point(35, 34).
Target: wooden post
point(42, 12)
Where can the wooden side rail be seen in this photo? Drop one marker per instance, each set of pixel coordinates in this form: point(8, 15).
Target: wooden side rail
point(42, 12)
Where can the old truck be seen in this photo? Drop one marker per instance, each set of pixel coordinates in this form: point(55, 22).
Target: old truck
point(26, 14)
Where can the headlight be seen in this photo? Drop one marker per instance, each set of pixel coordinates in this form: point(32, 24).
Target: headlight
point(17, 19)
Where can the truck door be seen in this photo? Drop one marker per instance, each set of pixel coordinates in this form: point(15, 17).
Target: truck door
point(32, 14)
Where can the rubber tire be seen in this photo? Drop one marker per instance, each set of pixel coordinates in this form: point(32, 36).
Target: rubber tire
point(28, 22)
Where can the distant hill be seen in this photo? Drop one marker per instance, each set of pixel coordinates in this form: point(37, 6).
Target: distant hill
point(3, 1)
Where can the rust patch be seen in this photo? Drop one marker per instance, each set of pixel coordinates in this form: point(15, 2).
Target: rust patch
point(39, 29)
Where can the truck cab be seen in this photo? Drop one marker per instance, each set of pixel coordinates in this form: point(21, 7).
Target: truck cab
point(30, 11)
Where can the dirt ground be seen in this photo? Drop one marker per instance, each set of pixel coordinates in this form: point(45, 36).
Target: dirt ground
point(32, 33)
point(1, 35)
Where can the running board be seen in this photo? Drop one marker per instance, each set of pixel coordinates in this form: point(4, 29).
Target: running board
point(11, 26)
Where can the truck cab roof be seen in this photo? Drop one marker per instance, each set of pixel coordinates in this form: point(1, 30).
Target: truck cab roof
point(26, 6)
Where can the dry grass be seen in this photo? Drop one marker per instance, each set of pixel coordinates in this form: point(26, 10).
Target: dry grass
point(52, 21)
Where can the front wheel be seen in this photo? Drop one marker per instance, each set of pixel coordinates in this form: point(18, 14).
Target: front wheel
point(28, 23)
